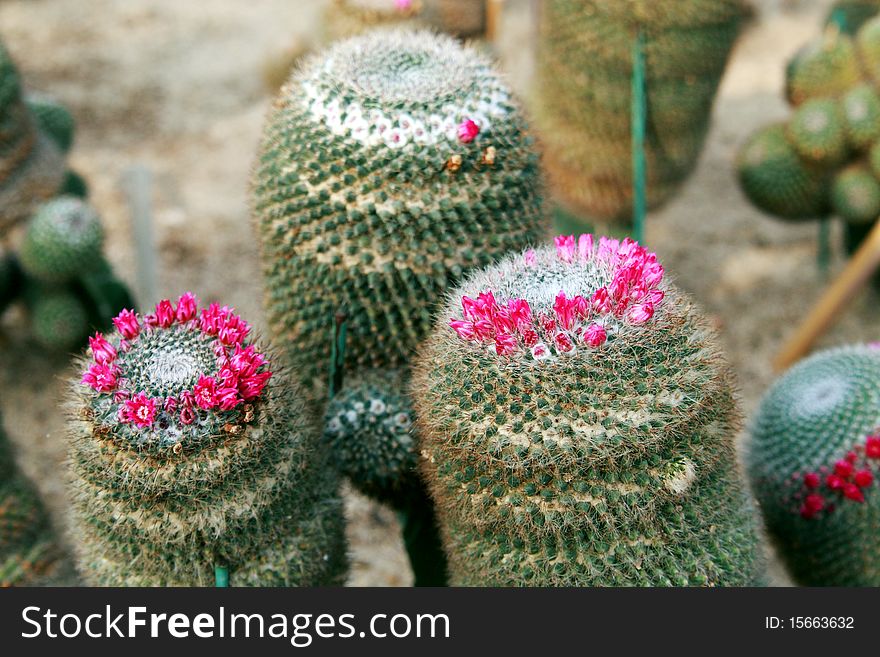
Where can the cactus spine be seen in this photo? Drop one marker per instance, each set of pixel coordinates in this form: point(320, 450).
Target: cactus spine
point(189, 452)
point(584, 108)
point(576, 422)
point(814, 461)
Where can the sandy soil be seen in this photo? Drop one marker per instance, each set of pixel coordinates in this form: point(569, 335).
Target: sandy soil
point(164, 85)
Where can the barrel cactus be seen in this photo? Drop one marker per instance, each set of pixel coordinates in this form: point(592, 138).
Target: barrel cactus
point(390, 164)
point(54, 119)
point(585, 94)
point(576, 420)
point(59, 320)
point(191, 451)
point(814, 461)
point(27, 549)
point(31, 164)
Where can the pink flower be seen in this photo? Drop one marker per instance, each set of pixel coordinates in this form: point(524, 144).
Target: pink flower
point(484, 329)
point(252, 386)
point(211, 319)
point(864, 478)
point(127, 324)
point(834, 482)
point(872, 447)
point(187, 415)
point(811, 480)
point(812, 505)
point(547, 323)
point(169, 405)
point(164, 315)
point(563, 343)
point(228, 397)
point(607, 249)
point(520, 311)
point(564, 310)
point(402, 5)
point(852, 492)
point(843, 469)
point(529, 336)
point(140, 410)
point(601, 301)
point(205, 392)
point(565, 247)
point(233, 329)
point(585, 246)
point(467, 131)
point(483, 307)
point(540, 351)
point(505, 344)
point(101, 377)
point(530, 258)
point(187, 398)
point(187, 307)
point(595, 335)
point(246, 362)
point(641, 312)
point(102, 350)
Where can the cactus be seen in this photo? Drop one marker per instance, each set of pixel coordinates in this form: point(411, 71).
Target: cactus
point(861, 114)
point(390, 164)
point(63, 239)
point(26, 546)
point(54, 119)
point(585, 85)
point(74, 185)
point(814, 460)
point(191, 451)
point(31, 165)
point(347, 18)
point(368, 428)
point(776, 180)
point(850, 15)
point(827, 67)
point(855, 195)
point(817, 132)
point(59, 320)
point(577, 424)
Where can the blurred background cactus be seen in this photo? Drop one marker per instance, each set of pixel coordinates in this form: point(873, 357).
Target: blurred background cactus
point(460, 18)
point(192, 451)
point(820, 163)
point(577, 422)
point(31, 163)
point(814, 461)
point(584, 95)
point(27, 548)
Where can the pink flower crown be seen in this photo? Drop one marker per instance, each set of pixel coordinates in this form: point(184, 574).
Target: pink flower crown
point(241, 372)
point(631, 297)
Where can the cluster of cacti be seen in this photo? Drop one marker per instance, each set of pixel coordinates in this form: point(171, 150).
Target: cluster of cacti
point(814, 463)
point(462, 18)
point(32, 166)
point(390, 164)
point(26, 545)
point(584, 100)
point(60, 274)
point(825, 159)
point(576, 424)
point(192, 451)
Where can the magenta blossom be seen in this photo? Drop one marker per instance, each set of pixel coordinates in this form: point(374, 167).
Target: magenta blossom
point(101, 377)
point(126, 322)
point(205, 392)
point(467, 131)
point(140, 410)
point(595, 335)
point(102, 351)
point(187, 307)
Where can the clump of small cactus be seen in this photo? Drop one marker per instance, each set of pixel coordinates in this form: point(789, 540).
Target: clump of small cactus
point(368, 426)
point(54, 119)
point(62, 277)
point(192, 451)
point(390, 164)
point(584, 108)
point(27, 549)
point(824, 160)
point(576, 422)
point(814, 461)
point(31, 164)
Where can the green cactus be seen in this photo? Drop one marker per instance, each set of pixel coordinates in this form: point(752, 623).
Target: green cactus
point(827, 67)
point(53, 119)
point(817, 132)
point(26, 546)
point(368, 428)
point(850, 15)
point(390, 164)
point(189, 454)
point(776, 180)
point(585, 86)
point(868, 46)
point(814, 460)
point(855, 195)
point(31, 165)
point(63, 239)
point(860, 108)
point(577, 426)
point(59, 321)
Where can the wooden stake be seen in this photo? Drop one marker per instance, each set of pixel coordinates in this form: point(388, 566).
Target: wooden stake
point(494, 9)
point(838, 295)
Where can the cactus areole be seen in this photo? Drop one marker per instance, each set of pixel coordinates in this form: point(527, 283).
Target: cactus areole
point(576, 421)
